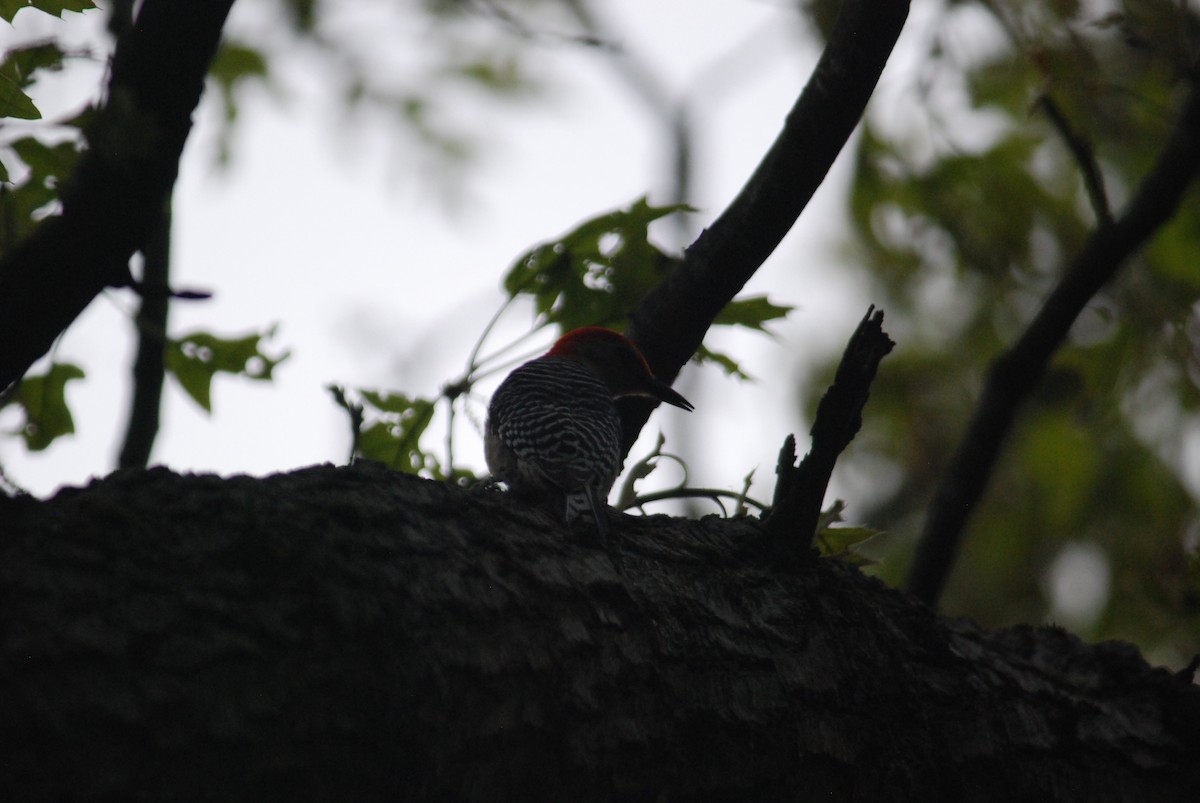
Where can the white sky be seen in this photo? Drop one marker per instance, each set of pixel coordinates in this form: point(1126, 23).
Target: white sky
point(327, 232)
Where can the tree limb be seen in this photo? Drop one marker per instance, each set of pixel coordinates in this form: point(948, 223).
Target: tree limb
point(120, 185)
point(355, 634)
point(1014, 375)
point(672, 320)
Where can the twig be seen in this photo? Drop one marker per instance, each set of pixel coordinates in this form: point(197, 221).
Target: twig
point(715, 494)
point(1093, 180)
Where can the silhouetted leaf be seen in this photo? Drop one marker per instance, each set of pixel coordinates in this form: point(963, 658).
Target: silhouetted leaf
point(15, 103)
point(9, 8)
point(196, 358)
point(394, 437)
point(752, 312)
point(44, 404)
point(724, 361)
point(596, 273)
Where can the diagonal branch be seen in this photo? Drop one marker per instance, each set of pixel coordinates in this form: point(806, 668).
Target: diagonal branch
point(1014, 375)
point(671, 321)
point(122, 182)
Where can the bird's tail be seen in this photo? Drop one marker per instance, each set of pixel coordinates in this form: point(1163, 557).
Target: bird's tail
point(589, 499)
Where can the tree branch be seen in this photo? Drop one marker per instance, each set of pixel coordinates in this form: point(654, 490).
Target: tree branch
point(801, 489)
point(672, 320)
point(1093, 180)
point(122, 181)
point(356, 634)
point(1014, 375)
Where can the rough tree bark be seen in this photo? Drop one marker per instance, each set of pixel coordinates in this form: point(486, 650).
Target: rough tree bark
point(350, 633)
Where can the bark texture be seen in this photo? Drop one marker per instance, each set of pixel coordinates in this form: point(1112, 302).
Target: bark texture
point(349, 633)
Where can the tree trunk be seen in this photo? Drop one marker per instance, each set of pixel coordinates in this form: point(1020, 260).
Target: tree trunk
point(349, 633)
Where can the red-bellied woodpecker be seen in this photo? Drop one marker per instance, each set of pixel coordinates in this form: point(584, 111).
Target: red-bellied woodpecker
point(552, 429)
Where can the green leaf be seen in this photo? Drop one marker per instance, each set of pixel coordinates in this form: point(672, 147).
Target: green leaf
point(752, 312)
point(233, 64)
point(843, 543)
point(17, 72)
point(21, 63)
point(46, 162)
point(395, 438)
point(196, 358)
point(19, 205)
point(15, 103)
point(728, 364)
point(44, 402)
point(597, 272)
point(9, 8)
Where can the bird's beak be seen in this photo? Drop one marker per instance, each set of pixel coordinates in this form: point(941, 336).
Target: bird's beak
point(663, 392)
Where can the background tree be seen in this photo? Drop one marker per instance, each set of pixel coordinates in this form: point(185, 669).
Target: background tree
point(1027, 128)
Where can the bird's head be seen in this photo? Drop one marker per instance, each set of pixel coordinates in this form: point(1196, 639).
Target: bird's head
point(617, 362)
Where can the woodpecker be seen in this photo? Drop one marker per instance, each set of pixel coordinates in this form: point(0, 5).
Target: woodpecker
point(552, 427)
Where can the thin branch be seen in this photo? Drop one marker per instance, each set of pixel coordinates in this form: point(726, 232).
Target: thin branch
point(149, 367)
point(1093, 180)
point(118, 189)
point(672, 320)
point(713, 494)
point(1015, 374)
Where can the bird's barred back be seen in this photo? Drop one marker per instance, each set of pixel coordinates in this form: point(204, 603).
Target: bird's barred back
point(557, 415)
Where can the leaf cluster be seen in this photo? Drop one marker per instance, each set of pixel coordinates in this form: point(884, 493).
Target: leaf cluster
point(42, 162)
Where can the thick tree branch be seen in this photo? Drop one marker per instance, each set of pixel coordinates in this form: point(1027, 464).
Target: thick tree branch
point(121, 184)
point(670, 323)
point(353, 634)
point(800, 490)
point(1015, 374)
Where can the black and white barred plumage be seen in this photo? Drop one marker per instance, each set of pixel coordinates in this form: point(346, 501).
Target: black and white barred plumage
point(552, 424)
point(553, 431)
